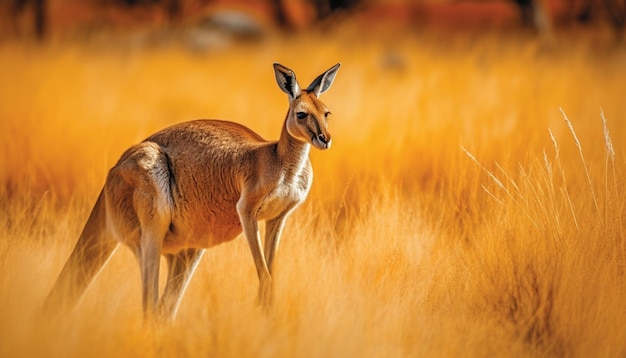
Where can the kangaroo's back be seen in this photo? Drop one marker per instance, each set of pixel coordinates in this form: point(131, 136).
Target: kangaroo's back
point(209, 154)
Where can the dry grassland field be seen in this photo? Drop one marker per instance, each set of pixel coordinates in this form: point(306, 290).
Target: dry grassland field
point(472, 203)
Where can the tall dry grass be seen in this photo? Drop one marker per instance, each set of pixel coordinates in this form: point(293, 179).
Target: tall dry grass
point(459, 212)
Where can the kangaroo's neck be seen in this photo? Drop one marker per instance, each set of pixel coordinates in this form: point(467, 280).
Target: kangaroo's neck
point(292, 153)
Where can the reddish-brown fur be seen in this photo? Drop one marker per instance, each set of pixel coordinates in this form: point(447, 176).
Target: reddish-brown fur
point(198, 184)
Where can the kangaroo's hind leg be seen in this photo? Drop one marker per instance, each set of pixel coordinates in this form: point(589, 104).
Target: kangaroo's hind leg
point(154, 221)
point(140, 187)
point(181, 267)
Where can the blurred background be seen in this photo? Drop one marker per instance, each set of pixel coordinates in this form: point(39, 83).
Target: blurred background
point(209, 23)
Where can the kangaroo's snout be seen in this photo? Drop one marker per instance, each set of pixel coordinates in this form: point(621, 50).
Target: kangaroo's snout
point(321, 141)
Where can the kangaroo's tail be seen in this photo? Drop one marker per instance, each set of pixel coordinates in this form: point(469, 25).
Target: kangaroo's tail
point(92, 251)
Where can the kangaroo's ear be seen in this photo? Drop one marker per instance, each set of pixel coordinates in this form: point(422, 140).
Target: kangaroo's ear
point(322, 83)
point(286, 80)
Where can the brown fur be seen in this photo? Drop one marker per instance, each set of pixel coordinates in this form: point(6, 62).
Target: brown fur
point(198, 184)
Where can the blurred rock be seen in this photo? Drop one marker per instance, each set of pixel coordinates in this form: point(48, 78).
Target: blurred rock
point(222, 28)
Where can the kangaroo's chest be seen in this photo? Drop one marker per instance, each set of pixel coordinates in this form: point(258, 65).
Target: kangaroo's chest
point(286, 195)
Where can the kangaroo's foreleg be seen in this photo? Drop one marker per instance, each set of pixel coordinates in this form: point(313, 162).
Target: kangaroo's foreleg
point(273, 231)
point(246, 210)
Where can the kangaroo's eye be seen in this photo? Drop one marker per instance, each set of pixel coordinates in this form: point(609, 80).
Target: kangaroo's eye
point(301, 115)
point(326, 114)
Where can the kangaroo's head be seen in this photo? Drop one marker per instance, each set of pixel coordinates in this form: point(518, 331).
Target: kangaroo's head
point(307, 117)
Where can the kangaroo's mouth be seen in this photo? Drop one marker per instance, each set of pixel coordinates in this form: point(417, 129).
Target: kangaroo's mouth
point(320, 141)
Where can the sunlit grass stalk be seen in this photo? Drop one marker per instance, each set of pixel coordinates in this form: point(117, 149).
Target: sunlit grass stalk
point(582, 158)
point(343, 201)
point(501, 186)
point(550, 180)
point(493, 196)
point(538, 195)
point(564, 189)
point(512, 182)
point(609, 155)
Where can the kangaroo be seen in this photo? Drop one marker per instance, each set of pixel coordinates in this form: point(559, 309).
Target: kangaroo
point(195, 185)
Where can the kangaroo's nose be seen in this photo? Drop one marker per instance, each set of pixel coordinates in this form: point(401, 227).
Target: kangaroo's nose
point(323, 140)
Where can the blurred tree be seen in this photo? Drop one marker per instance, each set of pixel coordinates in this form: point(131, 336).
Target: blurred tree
point(326, 7)
point(279, 13)
point(39, 14)
point(323, 9)
point(534, 14)
point(611, 11)
point(173, 8)
point(617, 14)
point(526, 7)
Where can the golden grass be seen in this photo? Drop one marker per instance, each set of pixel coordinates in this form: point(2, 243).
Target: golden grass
point(458, 212)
